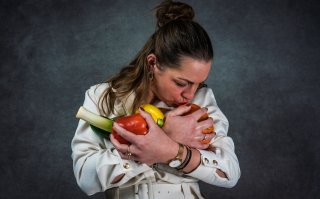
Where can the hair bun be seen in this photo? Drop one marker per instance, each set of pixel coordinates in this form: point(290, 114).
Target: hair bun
point(168, 11)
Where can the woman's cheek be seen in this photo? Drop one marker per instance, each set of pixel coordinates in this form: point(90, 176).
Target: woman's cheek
point(176, 95)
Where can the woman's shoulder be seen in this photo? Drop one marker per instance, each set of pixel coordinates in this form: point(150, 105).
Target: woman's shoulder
point(97, 90)
point(203, 96)
point(204, 91)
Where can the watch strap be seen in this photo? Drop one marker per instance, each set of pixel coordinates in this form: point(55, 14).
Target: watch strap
point(180, 152)
point(186, 160)
point(178, 158)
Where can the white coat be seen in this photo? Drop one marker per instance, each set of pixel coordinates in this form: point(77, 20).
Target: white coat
point(96, 162)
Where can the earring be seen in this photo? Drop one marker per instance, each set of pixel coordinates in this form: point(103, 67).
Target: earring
point(150, 75)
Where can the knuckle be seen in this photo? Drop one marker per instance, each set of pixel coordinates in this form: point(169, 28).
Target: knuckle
point(200, 146)
point(142, 144)
point(137, 154)
point(147, 115)
point(170, 114)
point(204, 146)
point(204, 110)
point(193, 120)
point(139, 143)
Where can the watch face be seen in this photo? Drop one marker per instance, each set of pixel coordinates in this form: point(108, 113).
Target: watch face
point(175, 163)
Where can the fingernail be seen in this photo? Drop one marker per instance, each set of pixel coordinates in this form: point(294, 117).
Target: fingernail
point(205, 109)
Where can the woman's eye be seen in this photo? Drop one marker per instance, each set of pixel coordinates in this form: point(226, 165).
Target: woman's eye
point(180, 84)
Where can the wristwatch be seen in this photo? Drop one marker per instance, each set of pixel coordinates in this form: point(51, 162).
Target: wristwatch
point(175, 162)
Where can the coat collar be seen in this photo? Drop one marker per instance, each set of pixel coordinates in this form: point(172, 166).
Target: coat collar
point(123, 106)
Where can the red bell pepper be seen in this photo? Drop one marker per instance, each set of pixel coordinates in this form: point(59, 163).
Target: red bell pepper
point(134, 123)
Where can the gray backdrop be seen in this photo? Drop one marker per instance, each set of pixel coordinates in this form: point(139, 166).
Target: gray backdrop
point(265, 78)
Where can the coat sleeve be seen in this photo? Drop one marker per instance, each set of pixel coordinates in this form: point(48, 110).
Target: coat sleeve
point(224, 157)
point(95, 161)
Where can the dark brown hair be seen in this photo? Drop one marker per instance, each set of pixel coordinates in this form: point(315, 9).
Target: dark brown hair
point(176, 36)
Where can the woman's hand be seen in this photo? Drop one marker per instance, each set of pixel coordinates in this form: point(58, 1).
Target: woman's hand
point(154, 147)
point(186, 129)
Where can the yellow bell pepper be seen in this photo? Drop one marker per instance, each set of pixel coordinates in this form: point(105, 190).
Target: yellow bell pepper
point(156, 114)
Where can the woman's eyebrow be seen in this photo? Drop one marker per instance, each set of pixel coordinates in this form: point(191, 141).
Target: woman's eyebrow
point(189, 82)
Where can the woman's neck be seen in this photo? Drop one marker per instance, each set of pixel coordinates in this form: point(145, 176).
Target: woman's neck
point(151, 97)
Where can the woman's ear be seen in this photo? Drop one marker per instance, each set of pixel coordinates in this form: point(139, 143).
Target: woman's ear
point(151, 62)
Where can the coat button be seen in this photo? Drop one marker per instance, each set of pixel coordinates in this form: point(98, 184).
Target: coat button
point(126, 165)
point(214, 162)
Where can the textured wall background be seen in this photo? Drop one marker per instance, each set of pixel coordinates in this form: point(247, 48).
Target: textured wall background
point(265, 78)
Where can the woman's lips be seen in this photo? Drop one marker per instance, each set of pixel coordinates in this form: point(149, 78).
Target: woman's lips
point(180, 103)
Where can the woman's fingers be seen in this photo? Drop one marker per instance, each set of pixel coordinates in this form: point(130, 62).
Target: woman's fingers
point(127, 135)
point(208, 130)
point(203, 146)
point(148, 118)
point(180, 110)
point(206, 138)
point(122, 148)
point(199, 113)
point(206, 124)
point(202, 140)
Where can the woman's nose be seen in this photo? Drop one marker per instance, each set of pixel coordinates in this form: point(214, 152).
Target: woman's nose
point(189, 92)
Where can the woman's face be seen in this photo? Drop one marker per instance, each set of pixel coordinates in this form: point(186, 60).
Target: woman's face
point(175, 86)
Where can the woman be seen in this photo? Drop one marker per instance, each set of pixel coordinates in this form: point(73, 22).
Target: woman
point(167, 162)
